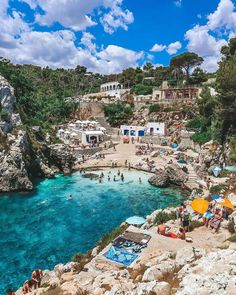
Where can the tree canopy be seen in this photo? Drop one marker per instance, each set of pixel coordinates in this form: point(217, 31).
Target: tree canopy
point(186, 61)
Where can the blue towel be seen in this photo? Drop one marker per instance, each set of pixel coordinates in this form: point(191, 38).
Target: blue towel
point(120, 256)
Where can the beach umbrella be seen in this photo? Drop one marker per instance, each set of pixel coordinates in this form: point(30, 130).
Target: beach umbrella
point(215, 197)
point(226, 203)
point(200, 205)
point(230, 168)
point(216, 170)
point(135, 220)
point(182, 162)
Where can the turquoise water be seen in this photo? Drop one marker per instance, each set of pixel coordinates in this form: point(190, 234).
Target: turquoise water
point(44, 228)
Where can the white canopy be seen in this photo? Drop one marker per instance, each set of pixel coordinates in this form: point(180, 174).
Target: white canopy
point(74, 134)
point(93, 132)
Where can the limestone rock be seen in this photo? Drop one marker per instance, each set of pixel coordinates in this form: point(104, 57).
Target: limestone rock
point(214, 273)
point(160, 180)
point(151, 288)
point(173, 174)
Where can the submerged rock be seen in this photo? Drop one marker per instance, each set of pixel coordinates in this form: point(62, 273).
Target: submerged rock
point(90, 175)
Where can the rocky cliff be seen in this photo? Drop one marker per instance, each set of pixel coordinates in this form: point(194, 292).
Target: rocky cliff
point(25, 153)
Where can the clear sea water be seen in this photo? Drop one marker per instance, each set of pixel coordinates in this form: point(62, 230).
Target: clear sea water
point(44, 228)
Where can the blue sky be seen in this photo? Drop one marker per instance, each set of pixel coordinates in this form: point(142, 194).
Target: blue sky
point(107, 36)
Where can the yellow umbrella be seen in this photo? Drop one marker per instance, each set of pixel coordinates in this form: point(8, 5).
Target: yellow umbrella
point(200, 205)
point(226, 203)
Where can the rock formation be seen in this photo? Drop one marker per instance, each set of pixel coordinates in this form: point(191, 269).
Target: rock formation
point(173, 174)
point(25, 155)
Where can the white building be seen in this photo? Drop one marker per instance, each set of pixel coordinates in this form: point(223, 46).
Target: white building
point(92, 137)
point(153, 128)
point(111, 86)
point(135, 131)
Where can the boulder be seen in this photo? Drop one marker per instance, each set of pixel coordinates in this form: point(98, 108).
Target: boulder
point(173, 174)
point(153, 288)
point(160, 180)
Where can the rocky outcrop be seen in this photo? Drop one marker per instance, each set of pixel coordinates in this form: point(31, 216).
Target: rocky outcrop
point(10, 119)
point(173, 174)
point(13, 168)
point(61, 157)
point(25, 155)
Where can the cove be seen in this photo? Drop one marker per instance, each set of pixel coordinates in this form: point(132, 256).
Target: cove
point(44, 228)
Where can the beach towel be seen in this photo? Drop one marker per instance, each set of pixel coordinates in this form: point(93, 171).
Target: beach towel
point(120, 256)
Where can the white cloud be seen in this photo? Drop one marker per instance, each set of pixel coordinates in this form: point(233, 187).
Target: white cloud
point(87, 41)
point(116, 17)
point(157, 47)
point(178, 3)
point(207, 40)
point(224, 16)
point(174, 47)
point(201, 42)
point(79, 15)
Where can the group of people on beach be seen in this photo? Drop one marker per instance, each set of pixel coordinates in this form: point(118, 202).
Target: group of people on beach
point(184, 218)
point(215, 215)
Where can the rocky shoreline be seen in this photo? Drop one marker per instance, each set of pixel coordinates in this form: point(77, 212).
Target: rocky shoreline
point(164, 268)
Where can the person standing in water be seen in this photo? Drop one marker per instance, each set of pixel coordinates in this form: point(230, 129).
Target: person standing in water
point(122, 177)
point(108, 178)
point(114, 178)
point(118, 173)
point(100, 179)
point(140, 180)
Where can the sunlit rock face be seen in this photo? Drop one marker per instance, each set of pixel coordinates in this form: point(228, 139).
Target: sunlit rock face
point(9, 118)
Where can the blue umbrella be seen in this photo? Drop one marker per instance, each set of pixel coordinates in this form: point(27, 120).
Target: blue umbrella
point(135, 220)
point(216, 170)
point(230, 168)
point(215, 197)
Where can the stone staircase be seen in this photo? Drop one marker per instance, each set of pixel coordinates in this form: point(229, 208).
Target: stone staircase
point(192, 178)
point(102, 121)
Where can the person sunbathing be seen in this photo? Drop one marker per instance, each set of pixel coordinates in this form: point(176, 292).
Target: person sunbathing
point(162, 229)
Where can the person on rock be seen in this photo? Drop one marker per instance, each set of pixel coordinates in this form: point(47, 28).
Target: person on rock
point(37, 276)
point(10, 292)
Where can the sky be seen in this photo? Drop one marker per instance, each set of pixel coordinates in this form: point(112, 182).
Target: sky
point(107, 36)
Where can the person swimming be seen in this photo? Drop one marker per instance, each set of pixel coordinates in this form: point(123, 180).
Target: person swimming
point(70, 197)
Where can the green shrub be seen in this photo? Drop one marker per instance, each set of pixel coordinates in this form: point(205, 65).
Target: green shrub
point(216, 189)
point(4, 115)
point(231, 226)
point(163, 217)
point(202, 137)
point(141, 89)
point(197, 123)
point(118, 113)
point(167, 110)
point(154, 108)
point(195, 224)
point(107, 238)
